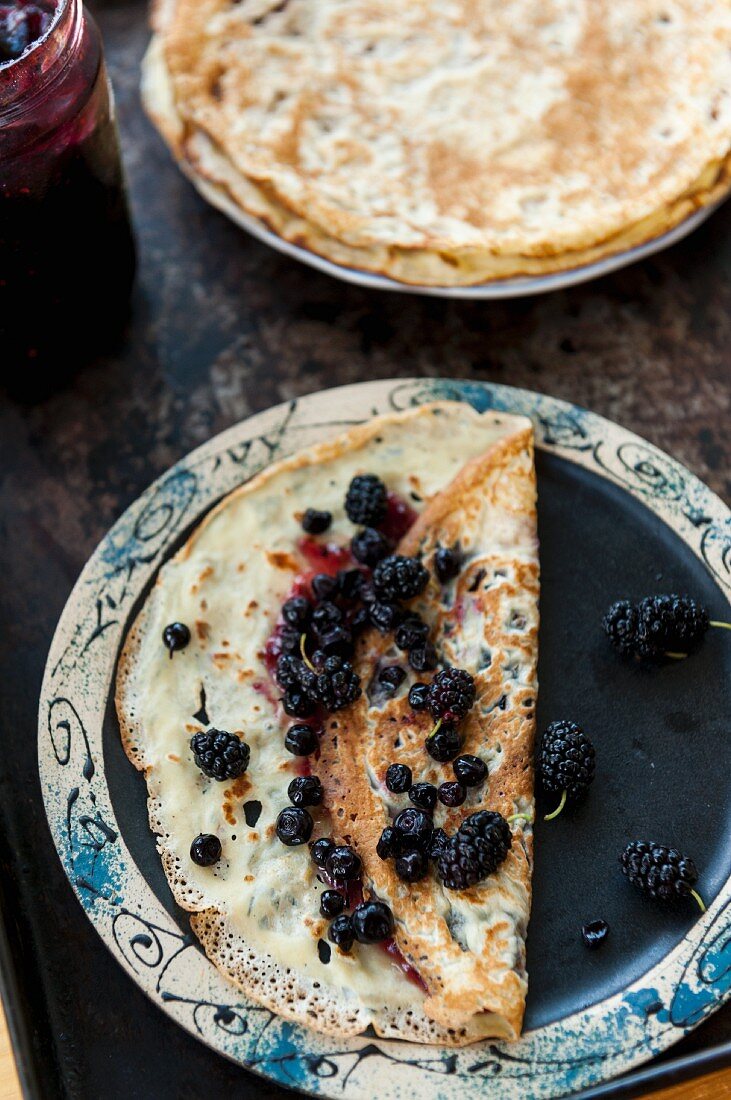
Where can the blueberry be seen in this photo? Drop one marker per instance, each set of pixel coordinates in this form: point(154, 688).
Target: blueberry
point(175, 636)
point(320, 850)
point(418, 696)
point(445, 743)
point(424, 795)
point(332, 903)
point(412, 866)
point(387, 843)
point(594, 933)
point(294, 826)
point(300, 740)
point(447, 563)
point(296, 612)
point(350, 582)
point(470, 770)
point(372, 922)
point(305, 790)
point(315, 522)
point(415, 828)
point(343, 864)
point(391, 678)
point(341, 932)
point(323, 586)
point(369, 546)
point(452, 794)
point(337, 642)
point(398, 778)
point(412, 632)
point(423, 658)
point(205, 850)
point(325, 616)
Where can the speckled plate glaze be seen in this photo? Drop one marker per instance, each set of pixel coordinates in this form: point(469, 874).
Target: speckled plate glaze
point(598, 1023)
point(518, 287)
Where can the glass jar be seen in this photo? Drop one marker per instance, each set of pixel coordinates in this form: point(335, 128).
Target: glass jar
point(66, 250)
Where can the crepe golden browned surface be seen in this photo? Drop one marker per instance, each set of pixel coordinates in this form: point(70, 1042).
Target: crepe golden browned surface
point(257, 912)
point(450, 143)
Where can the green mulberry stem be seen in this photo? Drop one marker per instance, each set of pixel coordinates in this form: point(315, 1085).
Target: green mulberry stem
point(519, 817)
point(699, 899)
point(723, 626)
point(437, 727)
point(557, 811)
point(303, 651)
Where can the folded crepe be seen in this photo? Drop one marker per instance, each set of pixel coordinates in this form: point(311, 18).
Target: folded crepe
point(454, 971)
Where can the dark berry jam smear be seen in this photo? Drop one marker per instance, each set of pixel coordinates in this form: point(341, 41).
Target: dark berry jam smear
point(22, 24)
point(400, 518)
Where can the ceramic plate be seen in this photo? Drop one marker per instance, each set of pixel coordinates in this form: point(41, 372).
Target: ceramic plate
point(519, 287)
point(616, 517)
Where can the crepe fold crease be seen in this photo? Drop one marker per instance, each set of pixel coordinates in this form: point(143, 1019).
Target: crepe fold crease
point(449, 144)
point(471, 479)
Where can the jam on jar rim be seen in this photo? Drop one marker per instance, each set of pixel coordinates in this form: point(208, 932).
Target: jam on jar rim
point(25, 80)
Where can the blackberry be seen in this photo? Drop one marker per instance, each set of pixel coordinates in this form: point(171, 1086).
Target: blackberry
point(412, 866)
point(320, 850)
point(305, 790)
point(445, 744)
point(565, 762)
point(323, 586)
point(398, 778)
point(332, 903)
point(387, 843)
point(452, 794)
point(414, 827)
point(469, 770)
point(661, 872)
point(337, 685)
point(594, 933)
point(343, 864)
point(418, 696)
point(205, 850)
point(424, 795)
point(620, 625)
point(360, 621)
point(365, 500)
point(372, 922)
point(337, 642)
point(447, 563)
point(411, 632)
point(293, 673)
point(369, 546)
point(315, 522)
point(673, 625)
point(341, 932)
point(391, 678)
point(297, 703)
point(350, 582)
point(296, 612)
point(294, 826)
point(384, 616)
point(325, 616)
point(399, 578)
point(289, 640)
point(437, 843)
point(476, 850)
point(423, 658)
point(301, 740)
point(220, 755)
point(175, 636)
point(451, 694)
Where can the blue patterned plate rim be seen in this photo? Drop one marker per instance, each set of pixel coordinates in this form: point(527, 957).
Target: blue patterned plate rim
point(562, 1057)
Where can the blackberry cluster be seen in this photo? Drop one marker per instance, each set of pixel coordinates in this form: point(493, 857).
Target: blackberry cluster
point(656, 626)
point(366, 500)
point(333, 685)
point(661, 872)
point(566, 760)
point(476, 850)
point(398, 578)
point(338, 685)
point(451, 694)
point(220, 755)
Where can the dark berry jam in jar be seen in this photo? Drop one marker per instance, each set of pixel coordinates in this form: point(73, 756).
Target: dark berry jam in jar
point(66, 251)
